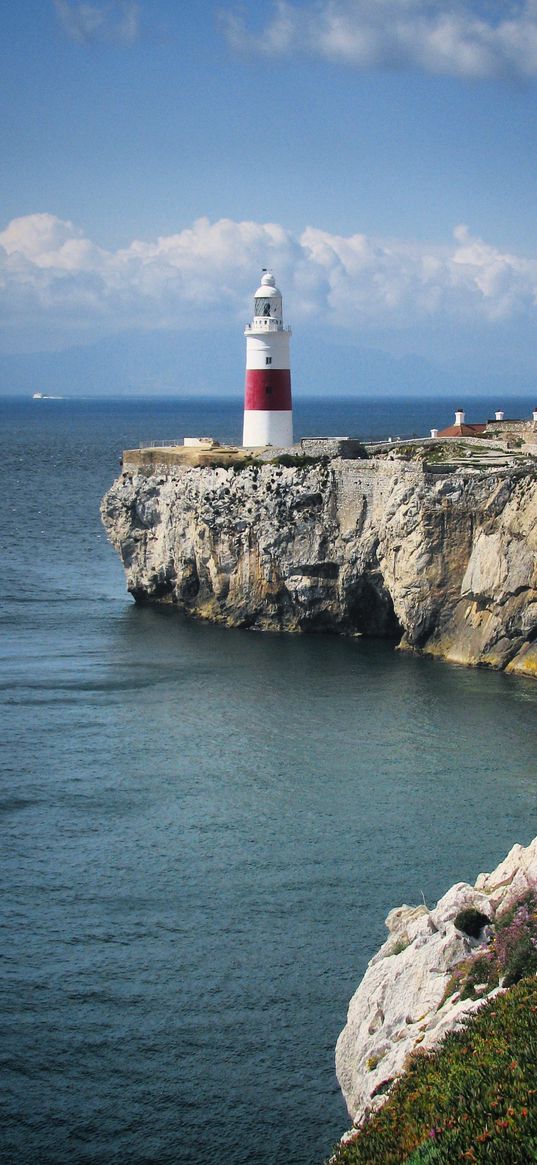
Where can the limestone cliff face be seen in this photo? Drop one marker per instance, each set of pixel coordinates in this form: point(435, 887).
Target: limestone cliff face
point(401, 1002)
point(445, 563)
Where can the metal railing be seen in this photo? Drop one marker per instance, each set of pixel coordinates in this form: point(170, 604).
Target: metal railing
point(160, 444)
point(267, 325)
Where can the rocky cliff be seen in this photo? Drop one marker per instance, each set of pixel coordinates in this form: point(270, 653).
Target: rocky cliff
point(442, 562)
point(411, 995)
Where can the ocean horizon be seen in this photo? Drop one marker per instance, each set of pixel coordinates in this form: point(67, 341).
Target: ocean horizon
point(370, 417)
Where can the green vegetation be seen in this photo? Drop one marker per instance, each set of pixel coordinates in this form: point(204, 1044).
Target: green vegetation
point(472, 1100)
point(444, 451)
point(457, 451)
point(360, 452)
point(447, 453)
point(400, 946)
point(216, 463)
point(471, 921)
point(285, 460)
point(236, 463)
point(450, 451)
point(511, 954)
point(298, 460)
point(247, 463)
point(515, 941)
point(411, 452)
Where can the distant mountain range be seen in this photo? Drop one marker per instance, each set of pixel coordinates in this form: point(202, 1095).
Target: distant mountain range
point(212, 363)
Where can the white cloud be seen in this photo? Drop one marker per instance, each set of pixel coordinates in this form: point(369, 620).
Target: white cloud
point(48, 241)
point(53, 278)
point(117, 20)
point(456, 39)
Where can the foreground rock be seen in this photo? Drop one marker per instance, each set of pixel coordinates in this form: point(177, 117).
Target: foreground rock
point(406, 998)
point(444, 562)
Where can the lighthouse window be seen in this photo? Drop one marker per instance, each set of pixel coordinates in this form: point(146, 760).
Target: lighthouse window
point(268, 390)
point(267, 309)
point(268, 359)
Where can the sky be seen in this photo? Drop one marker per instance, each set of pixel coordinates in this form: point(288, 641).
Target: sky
point(380, 157)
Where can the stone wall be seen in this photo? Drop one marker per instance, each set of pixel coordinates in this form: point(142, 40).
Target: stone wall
point(503, 428)
point(348, 447)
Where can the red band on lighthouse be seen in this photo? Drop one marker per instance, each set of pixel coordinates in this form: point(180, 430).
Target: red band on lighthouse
point(268, 415)
point(270, 390)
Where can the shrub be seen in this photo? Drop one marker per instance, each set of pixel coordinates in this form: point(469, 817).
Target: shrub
point(398, 947)
point(516, 941)
point(522, 961)
point(298, 460)
point(483, 969)
point(383, 1087)
point(246, 463)
point(471, 921)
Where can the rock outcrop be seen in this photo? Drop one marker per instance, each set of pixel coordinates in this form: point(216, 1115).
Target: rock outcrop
point(443, 563)
point(403, 1001)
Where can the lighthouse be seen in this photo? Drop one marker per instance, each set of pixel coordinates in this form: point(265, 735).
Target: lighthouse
point(268, 412)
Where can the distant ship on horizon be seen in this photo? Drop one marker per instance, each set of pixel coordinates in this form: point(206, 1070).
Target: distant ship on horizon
point(45, 396)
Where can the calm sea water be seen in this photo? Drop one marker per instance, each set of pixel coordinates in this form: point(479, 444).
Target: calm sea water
point(203, 830)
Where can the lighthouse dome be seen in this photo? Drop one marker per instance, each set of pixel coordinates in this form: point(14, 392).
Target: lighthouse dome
point(268, 285)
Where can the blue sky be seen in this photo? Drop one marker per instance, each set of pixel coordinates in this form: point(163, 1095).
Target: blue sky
point(381, 157)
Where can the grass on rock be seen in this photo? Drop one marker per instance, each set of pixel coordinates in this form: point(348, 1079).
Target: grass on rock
point(474, 1099)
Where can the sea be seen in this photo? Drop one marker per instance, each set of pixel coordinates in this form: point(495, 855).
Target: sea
point(203, 829)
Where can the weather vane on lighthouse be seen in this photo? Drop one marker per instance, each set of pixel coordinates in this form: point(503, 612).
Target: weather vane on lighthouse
point(268, 411)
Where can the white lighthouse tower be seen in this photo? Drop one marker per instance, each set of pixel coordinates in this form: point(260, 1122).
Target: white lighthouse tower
point(268, 411)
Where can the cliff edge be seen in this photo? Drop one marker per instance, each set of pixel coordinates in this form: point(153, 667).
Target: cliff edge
point(441, 562)
point(436, 968)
